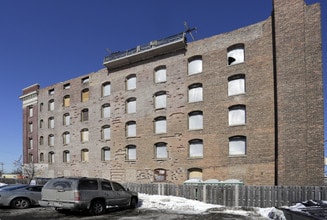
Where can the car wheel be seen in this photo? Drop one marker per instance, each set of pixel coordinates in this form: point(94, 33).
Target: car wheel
point(133, 203)
point(20, 203)
point(97, 207)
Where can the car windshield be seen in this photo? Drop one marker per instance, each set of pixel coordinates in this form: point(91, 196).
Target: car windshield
point(13, 187)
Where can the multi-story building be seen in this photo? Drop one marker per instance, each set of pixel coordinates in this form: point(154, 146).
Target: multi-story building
point(244, 105)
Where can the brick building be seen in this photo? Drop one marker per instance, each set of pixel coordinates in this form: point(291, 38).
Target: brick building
point(246, 104)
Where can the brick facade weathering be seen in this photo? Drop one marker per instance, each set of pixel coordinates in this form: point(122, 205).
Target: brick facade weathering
point(262, 116)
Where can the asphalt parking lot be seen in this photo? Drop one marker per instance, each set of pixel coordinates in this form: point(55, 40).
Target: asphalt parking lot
point(41, 213)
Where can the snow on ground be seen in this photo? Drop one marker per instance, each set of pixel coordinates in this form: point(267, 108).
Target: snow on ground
point(187, 206)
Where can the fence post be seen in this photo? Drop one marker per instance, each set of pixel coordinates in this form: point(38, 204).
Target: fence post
point(204, 193)
point(237, 194)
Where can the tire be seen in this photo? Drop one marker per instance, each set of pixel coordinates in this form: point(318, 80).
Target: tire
point(133, 203)
point(97, 207)
point(20, 203)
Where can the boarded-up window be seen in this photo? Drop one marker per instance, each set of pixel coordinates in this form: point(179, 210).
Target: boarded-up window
point(85, 95)
point(160, 74)
point(195, 93)
point(237, 145)
point(195, 65)
point(66, 101)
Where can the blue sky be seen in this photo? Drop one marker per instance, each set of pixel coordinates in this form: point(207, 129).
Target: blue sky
point(50, 41)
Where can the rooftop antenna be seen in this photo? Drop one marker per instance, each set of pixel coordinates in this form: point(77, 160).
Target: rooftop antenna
point(189, 30)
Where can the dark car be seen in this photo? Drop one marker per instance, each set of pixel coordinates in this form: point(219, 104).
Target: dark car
point(82, 193)
point(20, 196)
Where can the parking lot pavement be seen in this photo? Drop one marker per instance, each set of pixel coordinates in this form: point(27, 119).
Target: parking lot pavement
point(41, 213)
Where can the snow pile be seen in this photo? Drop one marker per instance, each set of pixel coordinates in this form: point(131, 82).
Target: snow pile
point(174, 203)
point(187, 206)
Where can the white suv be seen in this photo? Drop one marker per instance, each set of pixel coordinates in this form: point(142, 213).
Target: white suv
point(82, 193)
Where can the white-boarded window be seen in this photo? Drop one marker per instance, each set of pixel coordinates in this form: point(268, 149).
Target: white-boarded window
point(161, 150)
point(160, 100)
point(66, 119)
point(196, 148)
point(131, 105)
point(30, 111)
point(106, 89)
point(131, 82)
point(51, 157)
point(66, 137)
point(236, 85)
point(160, 74)
point(85, 155)
point(195, 65)
point(160, 125)
point(105, 154)
point(131, 152)
point(131, 129)
point(195, 120)
point(235, 54)
point(237, 115)
point(106, 132)
point(51, 105)
point(66, 156)
point(237, 145)
point(51, 122)
point(106, 111)
point(195, 93)
point(51, 140)
point(85, 135)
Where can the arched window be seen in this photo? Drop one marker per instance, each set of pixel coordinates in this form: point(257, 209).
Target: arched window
point(195, 93)
point(51, 105)
point(160, 175)
point(195, 65)
point(106, 89)
point(105, 110)
point(51, 140)
point(84, 135)
point(235, 54)
point(66, 101)
point(131, 82)
point(66, 138)
point(237, 145)
point(160, 100)
point(131, 152)
point(51, 122)
point(105, 153)
point(84, 155)
point(66, 119)
point(196, 148)
point(85, 114)
point(131, 105)
point(195, 121)
point(66, 156)
point(51, 157)
point(161, 150)
point(41, 157)
point(236, 84)
point(236, 115)
point(105, 132)
point(85, 95)
point(131, 129)
point(195, 173)
point(160, 74)
point(160, 125)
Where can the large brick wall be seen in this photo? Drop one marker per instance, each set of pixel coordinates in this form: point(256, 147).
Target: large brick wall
point(299, 100)
point(298, 105)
